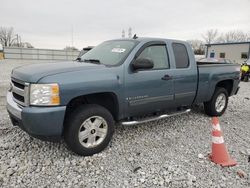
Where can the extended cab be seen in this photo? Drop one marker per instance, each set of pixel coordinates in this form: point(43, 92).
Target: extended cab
point(129, 81)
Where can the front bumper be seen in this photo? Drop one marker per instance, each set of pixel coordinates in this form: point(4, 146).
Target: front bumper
point(41, 122)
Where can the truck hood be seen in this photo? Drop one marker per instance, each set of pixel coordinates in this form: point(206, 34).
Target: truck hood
point(33, 73)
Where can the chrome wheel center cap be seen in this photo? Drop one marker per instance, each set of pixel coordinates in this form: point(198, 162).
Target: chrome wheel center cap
point(93, 131)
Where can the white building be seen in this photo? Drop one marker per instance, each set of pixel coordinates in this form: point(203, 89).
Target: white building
point(237, 52)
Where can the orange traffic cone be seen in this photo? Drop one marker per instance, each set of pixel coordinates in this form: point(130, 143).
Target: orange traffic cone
point(219, 153)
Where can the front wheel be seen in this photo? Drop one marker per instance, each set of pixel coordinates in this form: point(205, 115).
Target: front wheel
point(89, 129)
point(218, 104)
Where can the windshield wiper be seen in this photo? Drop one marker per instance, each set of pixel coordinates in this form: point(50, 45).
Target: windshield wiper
point(96, 61)
point(78, 59)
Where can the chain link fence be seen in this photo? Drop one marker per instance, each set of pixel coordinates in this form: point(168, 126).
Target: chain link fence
point(39, 54)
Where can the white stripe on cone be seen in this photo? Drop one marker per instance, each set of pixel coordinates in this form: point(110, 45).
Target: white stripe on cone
point(216, 127)
point(217, 140)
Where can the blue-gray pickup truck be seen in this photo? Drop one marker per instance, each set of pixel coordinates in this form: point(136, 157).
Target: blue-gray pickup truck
point(123, 81)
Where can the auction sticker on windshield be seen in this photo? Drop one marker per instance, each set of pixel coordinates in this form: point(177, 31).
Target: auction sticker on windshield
point(118, 50)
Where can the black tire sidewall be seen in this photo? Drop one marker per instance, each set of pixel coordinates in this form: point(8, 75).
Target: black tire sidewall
point(246, 79)
point(74, 122)
point(210, 106)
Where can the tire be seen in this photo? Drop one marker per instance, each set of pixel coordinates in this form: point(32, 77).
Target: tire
point(210, 106)
point(89, 120)
point(246, 78)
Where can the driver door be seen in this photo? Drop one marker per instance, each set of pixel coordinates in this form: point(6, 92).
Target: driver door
point(150, 90)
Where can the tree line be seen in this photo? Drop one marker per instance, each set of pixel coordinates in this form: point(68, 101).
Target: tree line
point(214, 36)
point(9, 38)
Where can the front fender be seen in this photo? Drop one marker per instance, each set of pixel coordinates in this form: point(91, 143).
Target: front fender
point(78, 83)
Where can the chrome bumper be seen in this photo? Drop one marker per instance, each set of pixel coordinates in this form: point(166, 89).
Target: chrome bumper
point(12, 106)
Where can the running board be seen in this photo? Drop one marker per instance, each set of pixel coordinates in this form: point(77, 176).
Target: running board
point(155, 118)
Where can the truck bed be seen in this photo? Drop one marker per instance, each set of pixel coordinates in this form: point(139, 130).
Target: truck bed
point(211, 63)
point(210, 73)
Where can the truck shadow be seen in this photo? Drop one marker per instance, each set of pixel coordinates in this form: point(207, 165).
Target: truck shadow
point(198, 108)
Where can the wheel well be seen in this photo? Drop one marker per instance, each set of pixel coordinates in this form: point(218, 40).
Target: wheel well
point(227, 84)
point(107, 99)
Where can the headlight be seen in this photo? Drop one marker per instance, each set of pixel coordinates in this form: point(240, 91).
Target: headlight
point(44, 94)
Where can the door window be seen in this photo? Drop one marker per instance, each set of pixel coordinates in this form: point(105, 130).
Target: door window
point(158, 54)
point(181, 55)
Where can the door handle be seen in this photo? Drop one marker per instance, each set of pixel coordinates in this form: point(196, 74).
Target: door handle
point(167, 77)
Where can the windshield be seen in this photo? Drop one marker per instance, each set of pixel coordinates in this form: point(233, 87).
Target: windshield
point(110, 52)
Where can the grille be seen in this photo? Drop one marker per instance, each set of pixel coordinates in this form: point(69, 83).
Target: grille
point(20, 92)
point(20, 86)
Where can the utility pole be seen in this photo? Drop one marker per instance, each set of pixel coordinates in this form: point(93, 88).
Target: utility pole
point(123, 33)
point(72, 41)
point(72, 38)
point(17, 40)
point(129, 32)
point(20, 41)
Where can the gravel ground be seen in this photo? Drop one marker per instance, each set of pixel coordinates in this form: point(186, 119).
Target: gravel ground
point(167, 153)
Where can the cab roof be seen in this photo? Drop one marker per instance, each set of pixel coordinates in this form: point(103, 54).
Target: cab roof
point(149, 39)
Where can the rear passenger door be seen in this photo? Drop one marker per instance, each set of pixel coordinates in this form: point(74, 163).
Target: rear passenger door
point(185, 74)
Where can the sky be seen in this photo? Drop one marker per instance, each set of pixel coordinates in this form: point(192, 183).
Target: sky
point(51, 23)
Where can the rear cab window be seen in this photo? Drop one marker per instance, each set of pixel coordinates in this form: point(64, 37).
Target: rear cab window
point(181, 55)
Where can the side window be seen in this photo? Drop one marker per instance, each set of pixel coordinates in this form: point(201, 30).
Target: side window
point(158, 54)
point(212, 55)
point(181, 55)
point(244, 55)
point(222, 55)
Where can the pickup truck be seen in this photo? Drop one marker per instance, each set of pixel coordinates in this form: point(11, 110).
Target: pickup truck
point(122, 81)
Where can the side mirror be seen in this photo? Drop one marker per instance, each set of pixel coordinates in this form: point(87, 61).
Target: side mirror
point(78, 59)
point(142, 64)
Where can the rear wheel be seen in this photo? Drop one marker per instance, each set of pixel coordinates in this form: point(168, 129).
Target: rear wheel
point(246, 78)
point(89, 129)
point(218, 104)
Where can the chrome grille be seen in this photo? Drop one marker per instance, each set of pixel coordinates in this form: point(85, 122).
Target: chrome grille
point(20, 92)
